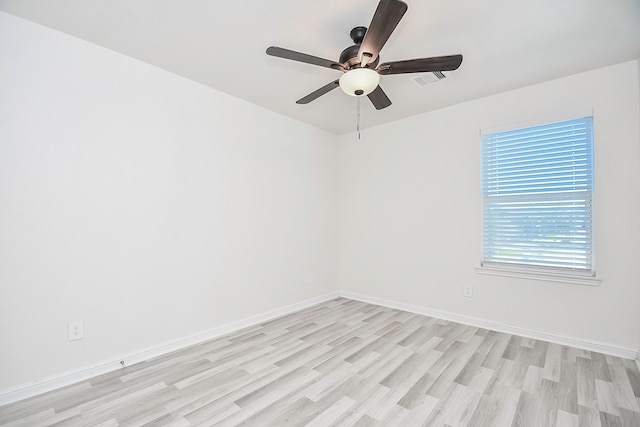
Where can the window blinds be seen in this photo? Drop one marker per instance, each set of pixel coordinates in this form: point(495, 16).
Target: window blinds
point(537, 185)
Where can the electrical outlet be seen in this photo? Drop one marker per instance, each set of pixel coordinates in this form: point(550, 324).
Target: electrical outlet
point(468, 291)
point(76, 330)
point(309, 277)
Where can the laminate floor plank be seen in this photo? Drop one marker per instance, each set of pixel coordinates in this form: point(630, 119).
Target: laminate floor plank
point(395, 417)
point(388, 404)
point(566, 419)
point(567, 388)
point(474, 364)
point(586, 383)
point(497, 410)
point(634, 379)
point(348, 363)
point(622, 390)
point(526, 411)
point(588, 417)
point(552, 362)
point(548, 404)
point(533, 380)
point(494, 356)
point(359, 410)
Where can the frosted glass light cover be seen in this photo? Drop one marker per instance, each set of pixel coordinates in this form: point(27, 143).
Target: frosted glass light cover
point(364, 79)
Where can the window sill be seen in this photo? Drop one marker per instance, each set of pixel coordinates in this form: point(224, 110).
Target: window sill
point(575, 279)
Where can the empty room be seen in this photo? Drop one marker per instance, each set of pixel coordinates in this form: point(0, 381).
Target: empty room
point(323, 213)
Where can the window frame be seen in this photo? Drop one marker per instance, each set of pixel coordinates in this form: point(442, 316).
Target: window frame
point(551, 274)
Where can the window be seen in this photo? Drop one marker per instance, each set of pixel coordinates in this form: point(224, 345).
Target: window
point(537, 185)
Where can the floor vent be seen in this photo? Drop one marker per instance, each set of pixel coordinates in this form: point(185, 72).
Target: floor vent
point(428, 78)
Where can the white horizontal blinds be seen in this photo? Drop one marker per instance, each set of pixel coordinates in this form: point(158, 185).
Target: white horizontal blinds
point(537, 187)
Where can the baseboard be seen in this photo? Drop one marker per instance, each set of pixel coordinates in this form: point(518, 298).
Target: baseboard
point(612, 350)
point(71, 377)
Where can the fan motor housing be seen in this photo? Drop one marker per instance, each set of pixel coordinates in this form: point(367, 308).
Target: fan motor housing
point(357, 34)
point(349, 56)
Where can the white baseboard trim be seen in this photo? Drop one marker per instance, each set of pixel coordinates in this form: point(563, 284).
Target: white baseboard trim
point(612, 350)
point(71, 377)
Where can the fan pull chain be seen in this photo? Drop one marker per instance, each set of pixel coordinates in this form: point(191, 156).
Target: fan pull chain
point(358, 116)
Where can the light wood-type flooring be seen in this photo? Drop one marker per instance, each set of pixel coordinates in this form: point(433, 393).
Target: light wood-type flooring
point(348, 363)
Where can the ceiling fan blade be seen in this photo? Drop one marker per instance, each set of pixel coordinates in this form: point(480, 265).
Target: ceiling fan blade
point(318, 93)
point(379, 99)
point(384, 21)
point(302, 57)
point(423, 65)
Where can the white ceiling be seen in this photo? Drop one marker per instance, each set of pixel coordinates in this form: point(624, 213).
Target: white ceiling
point(505, 43)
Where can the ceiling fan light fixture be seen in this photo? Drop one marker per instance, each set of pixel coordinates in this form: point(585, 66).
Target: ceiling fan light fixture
point(359, 82)
point(360, 62)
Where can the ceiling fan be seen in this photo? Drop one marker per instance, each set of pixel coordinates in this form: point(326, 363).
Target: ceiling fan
point(360, 62)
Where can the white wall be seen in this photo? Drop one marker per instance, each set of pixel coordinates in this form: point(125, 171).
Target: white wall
point(410, 211)
point(145, 204)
